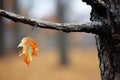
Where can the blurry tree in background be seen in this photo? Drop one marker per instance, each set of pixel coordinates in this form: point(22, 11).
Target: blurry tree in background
point(62, 40)
point(1, 31)
point(11, 29)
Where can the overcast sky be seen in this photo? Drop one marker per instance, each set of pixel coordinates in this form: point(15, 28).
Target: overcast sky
point(41, 8)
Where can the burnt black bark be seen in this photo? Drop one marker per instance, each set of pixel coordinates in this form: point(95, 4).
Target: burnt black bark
point(108, 45)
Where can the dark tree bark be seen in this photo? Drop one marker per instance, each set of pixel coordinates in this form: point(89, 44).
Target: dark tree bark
point(108, 45)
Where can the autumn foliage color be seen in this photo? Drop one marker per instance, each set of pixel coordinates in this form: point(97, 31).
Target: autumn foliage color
point(29, 48)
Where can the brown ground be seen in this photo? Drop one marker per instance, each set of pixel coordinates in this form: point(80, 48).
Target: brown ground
point(82, 66)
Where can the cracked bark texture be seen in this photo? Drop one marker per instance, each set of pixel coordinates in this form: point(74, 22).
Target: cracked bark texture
point(108, 45)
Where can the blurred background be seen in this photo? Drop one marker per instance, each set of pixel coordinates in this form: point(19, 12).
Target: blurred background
point(71, 56)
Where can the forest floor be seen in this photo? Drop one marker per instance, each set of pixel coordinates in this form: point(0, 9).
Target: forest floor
point(83, 65)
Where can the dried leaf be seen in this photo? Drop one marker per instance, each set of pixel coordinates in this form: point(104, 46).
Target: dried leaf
point(30, 48)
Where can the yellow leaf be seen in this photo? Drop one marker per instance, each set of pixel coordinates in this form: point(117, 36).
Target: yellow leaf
point(30, 48)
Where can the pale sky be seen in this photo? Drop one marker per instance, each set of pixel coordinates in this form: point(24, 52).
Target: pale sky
point(41, 8)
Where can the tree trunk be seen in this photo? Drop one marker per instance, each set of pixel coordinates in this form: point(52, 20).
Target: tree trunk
point(108, 45)
point(109, 56)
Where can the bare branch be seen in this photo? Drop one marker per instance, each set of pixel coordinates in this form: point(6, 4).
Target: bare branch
point(89, 27)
